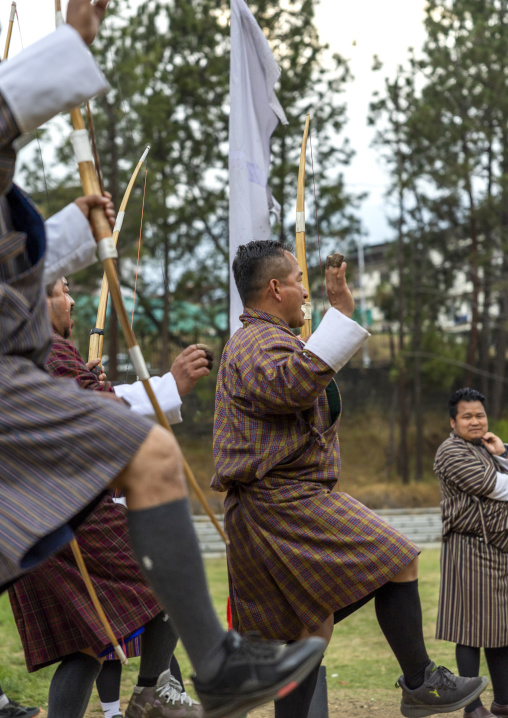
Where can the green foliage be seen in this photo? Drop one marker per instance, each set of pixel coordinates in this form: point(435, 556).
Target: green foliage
point(168, 67)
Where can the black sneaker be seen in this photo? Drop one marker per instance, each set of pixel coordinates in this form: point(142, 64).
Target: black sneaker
point(441, 692)
point(255, 672)
point(14, 710)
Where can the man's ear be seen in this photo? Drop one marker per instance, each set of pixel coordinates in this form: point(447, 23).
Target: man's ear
point(452, 422)
point(274, 289)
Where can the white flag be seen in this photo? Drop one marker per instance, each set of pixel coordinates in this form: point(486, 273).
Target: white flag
point(255, 112)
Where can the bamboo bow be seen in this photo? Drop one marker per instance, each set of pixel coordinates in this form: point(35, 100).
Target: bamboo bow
point(301, 253)
point(9, 31)
point(97, 333)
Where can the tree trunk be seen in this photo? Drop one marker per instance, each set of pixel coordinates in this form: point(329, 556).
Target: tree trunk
point(164, 363)
point(402, 456)
point(390, 450)
point(472, 349)
point(502, 329)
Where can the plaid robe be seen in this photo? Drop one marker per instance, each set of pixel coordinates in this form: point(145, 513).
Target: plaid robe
point(64, 360)
point(467, 475)
point(51, 605)
point(299, 551)
point(58, 449)
point(473, 595)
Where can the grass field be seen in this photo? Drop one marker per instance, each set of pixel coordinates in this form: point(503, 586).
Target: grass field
point(361, 670)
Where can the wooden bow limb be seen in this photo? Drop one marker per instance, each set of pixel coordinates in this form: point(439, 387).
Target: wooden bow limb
point(301, 253)
point(97, 334)
point(78, 556)
point(9, 31)
point(107, 254)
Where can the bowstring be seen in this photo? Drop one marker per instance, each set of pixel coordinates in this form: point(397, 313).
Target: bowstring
point(139, 248)
point(123, 105)
point(149, 221)
point(317, 220)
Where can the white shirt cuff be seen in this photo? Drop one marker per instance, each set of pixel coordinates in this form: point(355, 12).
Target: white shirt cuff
point(336, 339)
point(53, 75)
point(165, 391)
point(70, 244)
point(500, 492)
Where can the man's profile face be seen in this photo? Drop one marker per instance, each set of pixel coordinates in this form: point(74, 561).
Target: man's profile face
point(60, 306)
point(471, 422)
point(293, 294)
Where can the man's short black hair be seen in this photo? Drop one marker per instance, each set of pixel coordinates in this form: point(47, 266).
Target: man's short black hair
point(50, 288)
point(465, 394)
point(256, 263)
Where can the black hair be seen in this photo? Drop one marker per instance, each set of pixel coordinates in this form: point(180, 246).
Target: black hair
point(465, 394)
point(50, 288)
point(256, 263)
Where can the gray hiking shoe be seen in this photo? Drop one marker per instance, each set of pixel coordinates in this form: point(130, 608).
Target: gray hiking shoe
point(164, 700)
point(441, 692)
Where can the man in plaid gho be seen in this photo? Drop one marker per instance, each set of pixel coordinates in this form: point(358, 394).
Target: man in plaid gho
point(303, 556)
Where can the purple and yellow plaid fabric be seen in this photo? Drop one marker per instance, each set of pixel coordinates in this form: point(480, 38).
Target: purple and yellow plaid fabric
point(299, 551)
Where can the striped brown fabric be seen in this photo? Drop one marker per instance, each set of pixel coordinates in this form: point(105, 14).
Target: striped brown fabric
point(467, 475)
point(59, 446)
point(473, 600)
point(299, 550)
point(473, 597)
point(52, 608)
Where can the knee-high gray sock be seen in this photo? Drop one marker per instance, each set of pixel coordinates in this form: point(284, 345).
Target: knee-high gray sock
point(158, 641)
point(166, 545)
point(71, 686)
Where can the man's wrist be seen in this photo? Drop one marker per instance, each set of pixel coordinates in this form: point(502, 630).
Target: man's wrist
point(342, 311)
point(504, 455)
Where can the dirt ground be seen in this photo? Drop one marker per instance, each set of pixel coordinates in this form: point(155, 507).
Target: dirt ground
point(341, 704)
point(361, 704)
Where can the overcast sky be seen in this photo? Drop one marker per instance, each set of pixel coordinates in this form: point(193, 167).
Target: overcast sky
point(358, 30)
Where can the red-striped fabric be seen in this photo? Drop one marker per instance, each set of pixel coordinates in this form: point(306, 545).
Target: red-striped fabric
point(64, 360)
point(52, 608)
point(53, 611)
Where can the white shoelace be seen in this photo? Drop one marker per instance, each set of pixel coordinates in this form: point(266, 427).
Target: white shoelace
point(172, 692)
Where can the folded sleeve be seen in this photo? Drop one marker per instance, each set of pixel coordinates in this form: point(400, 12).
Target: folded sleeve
point(336, 339)
point(500, 492)
point(53, 75)
point(70, 245)
point(165, 391)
